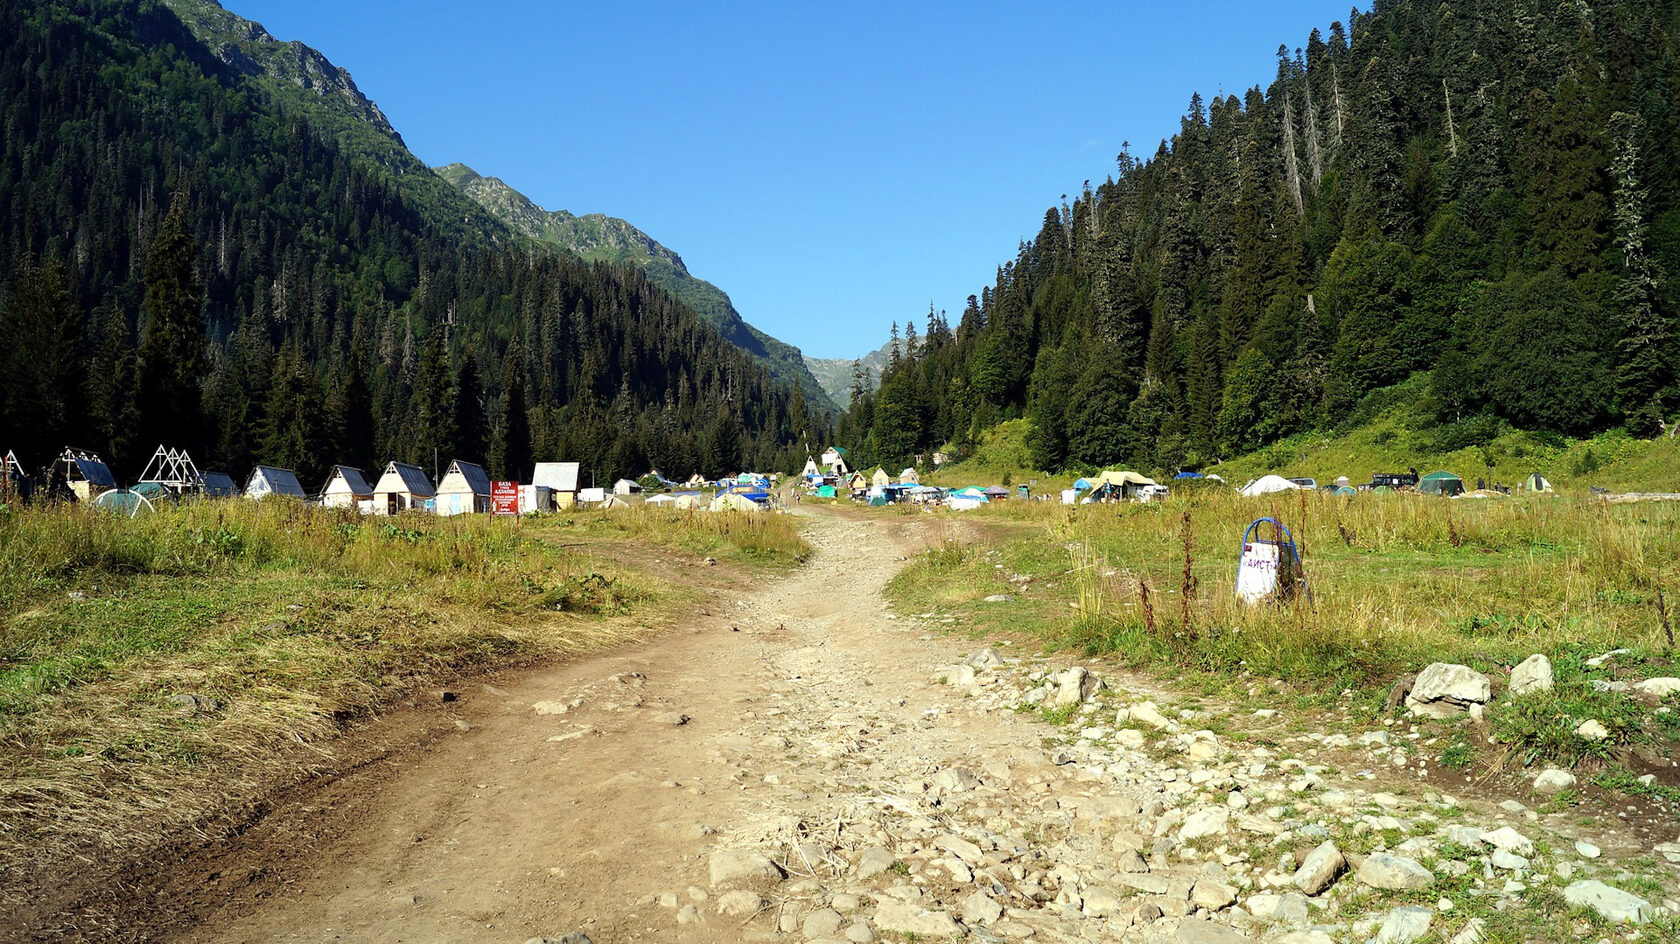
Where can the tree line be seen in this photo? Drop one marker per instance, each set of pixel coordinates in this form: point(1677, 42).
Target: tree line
point(1485, 192)
point(186, 260)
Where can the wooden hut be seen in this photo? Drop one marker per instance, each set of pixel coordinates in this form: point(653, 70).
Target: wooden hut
point(403, 487)
point(561, 479)
point(269, 480)
point(346, 488)
point(463, 490)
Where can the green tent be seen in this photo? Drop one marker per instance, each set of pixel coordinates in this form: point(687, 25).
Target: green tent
point(1441, 483)
point(827, 491)
point(1537, 483)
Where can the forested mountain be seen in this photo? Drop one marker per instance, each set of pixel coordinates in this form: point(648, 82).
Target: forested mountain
point(1486, 190)
point(600, 238)
point(203, 254)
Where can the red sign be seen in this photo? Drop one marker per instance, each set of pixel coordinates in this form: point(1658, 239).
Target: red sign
point(504, 499)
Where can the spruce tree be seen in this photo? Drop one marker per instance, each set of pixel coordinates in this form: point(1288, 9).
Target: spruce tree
point(172, 359)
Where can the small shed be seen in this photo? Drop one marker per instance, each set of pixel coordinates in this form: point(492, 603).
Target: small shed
point(1441, 483)
point(269, 480)
point(834, 460)
point(402, 488)
point(811, 470)
point(346, 488)
point(627, 487)
point(561, 480)
point(217, 485)
point(880, 477)
point(909, 477)
point(85, 473)
point(463, 490)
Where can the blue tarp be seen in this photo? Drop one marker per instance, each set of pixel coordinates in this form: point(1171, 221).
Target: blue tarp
point(1082, 485)
point(1188, 475)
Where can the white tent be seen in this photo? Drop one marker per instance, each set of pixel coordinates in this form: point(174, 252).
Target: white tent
point(1267, 484)
point(728, 501)
point(662, 500)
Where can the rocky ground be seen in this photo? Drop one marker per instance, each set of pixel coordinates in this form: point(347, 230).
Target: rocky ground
point(805, 765)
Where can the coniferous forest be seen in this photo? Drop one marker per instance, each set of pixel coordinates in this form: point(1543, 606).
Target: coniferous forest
point(186, 259)
point(1487, 190)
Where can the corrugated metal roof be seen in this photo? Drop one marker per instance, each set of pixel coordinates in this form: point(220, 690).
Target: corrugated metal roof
point(472, 474)
point(402, 477)
point(280, 481)
point(560, 476)
point(354, 481)
point(218, 484)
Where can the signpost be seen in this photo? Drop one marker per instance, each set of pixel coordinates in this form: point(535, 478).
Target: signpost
point(504, 499)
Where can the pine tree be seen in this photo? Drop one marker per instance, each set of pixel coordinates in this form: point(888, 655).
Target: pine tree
point(41, 365)
point(1645, 372)
point(467, 394)
point(172, 359)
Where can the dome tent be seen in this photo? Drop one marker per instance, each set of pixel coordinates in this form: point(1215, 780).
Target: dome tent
point(1441, 483)
point(1267, 484)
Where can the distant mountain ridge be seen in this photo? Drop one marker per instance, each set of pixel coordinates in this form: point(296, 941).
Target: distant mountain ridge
point(597, 237)
point(835, 373)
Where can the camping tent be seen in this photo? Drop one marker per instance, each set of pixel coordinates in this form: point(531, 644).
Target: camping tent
point(463, 490)
point(125, 502)
point(1188, 475)
point(1441, 483)
point(1267, 484)
point(827, 491)
point(269, 480)
point(730, 501)
point(1081, 485)
point(662, 500)
point(1537, 483)
point(1119, 485)
point(997, 492)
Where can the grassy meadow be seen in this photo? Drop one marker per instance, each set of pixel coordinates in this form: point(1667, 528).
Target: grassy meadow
point(1397, 582)
point(154, 670)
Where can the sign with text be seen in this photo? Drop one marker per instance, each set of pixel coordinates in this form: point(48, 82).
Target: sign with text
point(504, 499)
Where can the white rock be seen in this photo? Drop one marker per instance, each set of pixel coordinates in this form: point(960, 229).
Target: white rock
point(981, 908)
point(1586, 849)
point(907, 918)
point(1613, 903)
point(1382, 870)
point(1509, 861)
point(739, 903)
point(1212, 895)
point(1147, 713)
point(1592, 729)
point(1471, 934)
point(1102, 902)
point(1404, 925)
point(1553, 781)
point(1443, 690)
point(1533, 674)
point(1658, 688)
point(1202, 823)
point(1075, 686)
point(874, 861)
point(1320, 869)
point(1508, 839)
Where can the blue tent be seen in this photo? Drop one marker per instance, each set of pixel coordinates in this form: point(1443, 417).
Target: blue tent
point(1188, 475)
point(1082, 485)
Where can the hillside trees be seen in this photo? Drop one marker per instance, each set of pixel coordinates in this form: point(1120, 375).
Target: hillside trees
point(1468, 190)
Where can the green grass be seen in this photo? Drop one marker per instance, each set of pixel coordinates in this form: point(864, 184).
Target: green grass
point(1397, 581)
point(292, 620)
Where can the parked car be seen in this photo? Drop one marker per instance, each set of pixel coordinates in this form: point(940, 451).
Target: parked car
point(1305, 482)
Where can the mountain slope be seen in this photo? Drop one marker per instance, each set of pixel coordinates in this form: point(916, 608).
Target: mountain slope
point(300, 80)
point(1460, 191)
point(596, 237)
point(835, 373)
point(198, 251)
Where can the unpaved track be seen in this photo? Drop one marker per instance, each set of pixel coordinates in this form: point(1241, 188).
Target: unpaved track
point(503, 833)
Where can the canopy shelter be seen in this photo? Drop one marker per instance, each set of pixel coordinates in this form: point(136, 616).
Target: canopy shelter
point(403, 487)
point(85, 473)
point(1267, 484)
point(346, 488)
point(1441, 483)
point(997, 492)
point(662, 500)
point(1120, 485)
point(269, 480)
point(463, 490)
point(1537, 483)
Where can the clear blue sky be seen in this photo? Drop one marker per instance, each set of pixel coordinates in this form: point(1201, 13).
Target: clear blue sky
point(833, 167)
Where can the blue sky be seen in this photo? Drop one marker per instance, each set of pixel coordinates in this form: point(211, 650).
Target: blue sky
point(834, 168)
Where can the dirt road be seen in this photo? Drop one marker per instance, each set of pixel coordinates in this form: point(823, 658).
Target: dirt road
point(800, 767)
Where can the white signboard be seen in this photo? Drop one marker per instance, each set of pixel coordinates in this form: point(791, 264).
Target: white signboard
point(590, 495)
point(1257, 571)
